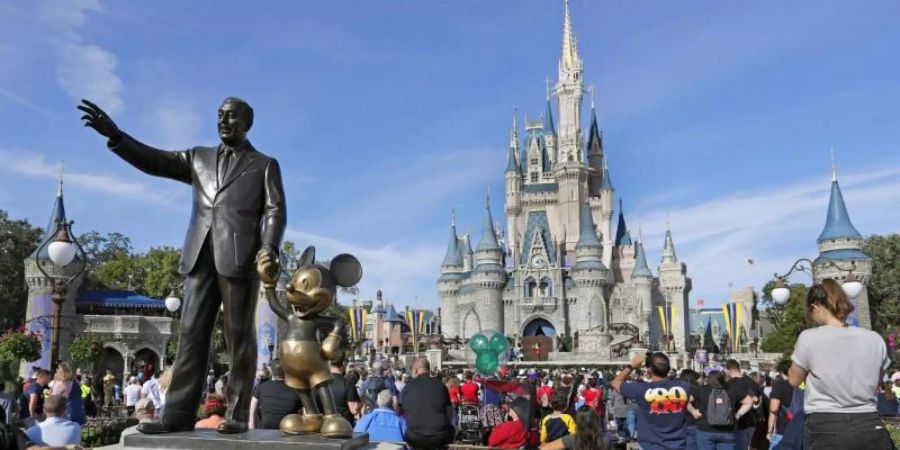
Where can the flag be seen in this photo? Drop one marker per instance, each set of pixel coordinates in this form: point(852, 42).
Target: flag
point(751, 262)
point(699, 302)
point(357, 323)
point(667, 319)
point(733, 313)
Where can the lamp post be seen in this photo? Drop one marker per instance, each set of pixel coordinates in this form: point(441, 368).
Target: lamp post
point(851, 286)
point(62, 249)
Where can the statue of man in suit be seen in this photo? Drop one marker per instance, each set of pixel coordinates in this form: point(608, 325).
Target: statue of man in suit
point(237, 221)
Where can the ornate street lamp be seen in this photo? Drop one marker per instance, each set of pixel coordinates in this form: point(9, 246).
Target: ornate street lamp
point(62, 249)
point(173, 300)
point(781, 293)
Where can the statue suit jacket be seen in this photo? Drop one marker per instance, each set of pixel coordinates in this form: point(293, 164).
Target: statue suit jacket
point(242, 214)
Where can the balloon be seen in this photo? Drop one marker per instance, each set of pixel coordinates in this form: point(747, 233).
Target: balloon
point(486, 363)
point(498, 343)
point(478, 343)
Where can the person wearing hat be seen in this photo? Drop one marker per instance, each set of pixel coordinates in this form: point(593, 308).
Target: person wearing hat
point(144, 411)
point(213, 412)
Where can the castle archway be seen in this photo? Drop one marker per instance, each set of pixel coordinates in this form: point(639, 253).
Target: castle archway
point(113, 361)
point(539, 326)
point(471, 324)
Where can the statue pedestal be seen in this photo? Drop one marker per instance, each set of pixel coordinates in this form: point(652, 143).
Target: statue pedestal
point(251, 440)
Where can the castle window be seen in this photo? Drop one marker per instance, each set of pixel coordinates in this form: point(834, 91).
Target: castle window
point(530, 286)
point(534, 177)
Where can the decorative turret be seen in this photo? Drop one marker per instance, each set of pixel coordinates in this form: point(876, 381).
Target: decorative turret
point(641, 269)
point(594, 150)
point(453, 261)
point(467, 253)
point(623, 236)
point(841, 252)
point(588, 250)
point(569, 92)
point(512, 161)
point(489, 254)
point(668, 253)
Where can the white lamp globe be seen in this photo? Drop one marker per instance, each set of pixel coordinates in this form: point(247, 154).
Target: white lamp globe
point(173, 303)
point(781, 295)
point(61, 252)
point(852, 288)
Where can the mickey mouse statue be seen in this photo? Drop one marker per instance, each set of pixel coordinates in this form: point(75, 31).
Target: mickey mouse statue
point(305, 361)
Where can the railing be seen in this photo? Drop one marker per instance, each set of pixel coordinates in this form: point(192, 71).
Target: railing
point(126, 324)
point(539, 301)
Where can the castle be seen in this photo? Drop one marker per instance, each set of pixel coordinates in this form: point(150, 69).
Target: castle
point(560, 269)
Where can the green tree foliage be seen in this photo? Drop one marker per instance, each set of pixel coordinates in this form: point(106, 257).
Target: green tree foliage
point(884, 285)
point(114, 264)
point(788, 319)
point(86, 348)
point(18, 238)
point(19, 345)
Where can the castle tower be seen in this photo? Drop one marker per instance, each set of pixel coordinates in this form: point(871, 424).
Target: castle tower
point(840, 251)
point(513, 181)
point(468, 254)
point(489, 276)
point(624, 253)
point(590, 275)
point(39, 312)
point(675, 286)
point(450, 280)
point(595, 156)
point(569, 91)
point(550, 141)
point(606, 211)
point(643, 281)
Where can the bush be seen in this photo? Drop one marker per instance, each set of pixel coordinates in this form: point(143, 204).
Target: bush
point(86, 349)
point(20, 345)
point(100, 432)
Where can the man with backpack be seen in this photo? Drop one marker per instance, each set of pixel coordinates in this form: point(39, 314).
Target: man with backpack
point(747, 425)
point(718, 406)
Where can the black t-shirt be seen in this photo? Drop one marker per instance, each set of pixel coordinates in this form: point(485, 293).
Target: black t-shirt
point(736, 394)
point(343, 394)
point(782, 390)
point(426, 404)
point(749, 387)
point(276, 400)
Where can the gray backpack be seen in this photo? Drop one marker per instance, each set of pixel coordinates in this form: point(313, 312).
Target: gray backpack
point(719, 412)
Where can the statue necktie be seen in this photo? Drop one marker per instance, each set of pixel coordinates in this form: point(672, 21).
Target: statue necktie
point(224, 162)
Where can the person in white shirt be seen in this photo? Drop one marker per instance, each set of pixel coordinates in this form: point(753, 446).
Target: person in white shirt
point(56, 431)
point(151, 390)
point(132, 394)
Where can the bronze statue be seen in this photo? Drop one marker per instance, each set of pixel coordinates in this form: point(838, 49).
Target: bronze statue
point(304, 360)
point(238, 217)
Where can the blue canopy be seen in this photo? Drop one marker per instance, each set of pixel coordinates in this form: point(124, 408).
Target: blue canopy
point(118, 299)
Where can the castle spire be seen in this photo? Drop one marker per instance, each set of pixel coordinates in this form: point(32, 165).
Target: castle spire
point(549, 126)
point(588, 231)
point(623, 237)
point(606, 183)
point(57, 214)
point(453, 257)
point(837, 223)
point(641, 269)
point(512, 163)
point(668, 253)
point(570, 59)
point(488, 241)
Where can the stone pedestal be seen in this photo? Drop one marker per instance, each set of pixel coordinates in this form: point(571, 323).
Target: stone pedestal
point(251, 440)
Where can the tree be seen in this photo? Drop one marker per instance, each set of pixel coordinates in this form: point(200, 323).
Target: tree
point(18, 239)
point(159, 268)
point(884, 285)
point(788, 319)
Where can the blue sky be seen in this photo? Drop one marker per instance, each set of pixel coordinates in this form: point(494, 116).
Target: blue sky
point(385, 114)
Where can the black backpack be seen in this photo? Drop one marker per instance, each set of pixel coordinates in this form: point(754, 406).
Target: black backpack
point(373, 387)
point(719, 412)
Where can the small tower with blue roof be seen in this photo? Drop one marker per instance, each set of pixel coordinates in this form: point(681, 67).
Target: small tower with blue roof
point(841, 245)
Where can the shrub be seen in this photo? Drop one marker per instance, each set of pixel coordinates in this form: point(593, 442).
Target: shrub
point(20, 345)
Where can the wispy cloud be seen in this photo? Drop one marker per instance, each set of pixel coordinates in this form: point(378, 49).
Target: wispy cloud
point(84, 70)
point(773, 226)
point(402, 271)
point(32, 164)
point(24, 102)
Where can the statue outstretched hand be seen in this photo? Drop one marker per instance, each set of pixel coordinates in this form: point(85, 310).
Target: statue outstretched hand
point(97, 119)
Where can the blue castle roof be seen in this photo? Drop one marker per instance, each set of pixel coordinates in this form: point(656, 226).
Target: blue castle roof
point(453, 256)
point(606, 183)
point(640, 265)
point(118, 299)
point(588, 232)
point(538, 223)
point(549, 126)
point(57, 214)
point(488, 241)
point(511, 165)
point(623, 237)
point(837, 223)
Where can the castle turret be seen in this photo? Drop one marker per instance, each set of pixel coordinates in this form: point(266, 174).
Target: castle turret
point(624, 252)
point(643, 281)
point(594, 152)
point(39, 312)
point(449, 283)
point(840, 253)
point(569, 91)
point(513, 180)
point(589, 275)
point(675, 286)
point(606, 211)
point(489, 277)
point(550, 140)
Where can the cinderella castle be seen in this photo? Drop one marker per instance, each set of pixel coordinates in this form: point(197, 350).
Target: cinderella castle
point(559, 267)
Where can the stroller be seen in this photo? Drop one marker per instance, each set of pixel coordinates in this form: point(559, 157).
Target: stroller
point(470, 429)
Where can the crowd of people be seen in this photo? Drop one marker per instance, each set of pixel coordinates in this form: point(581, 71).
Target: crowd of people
point(828, 396)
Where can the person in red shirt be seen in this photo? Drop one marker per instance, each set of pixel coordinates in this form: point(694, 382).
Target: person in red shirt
point(514, 432)
point(544, 394)
point(453, 389)
point(593, 397)
point(469, 390)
